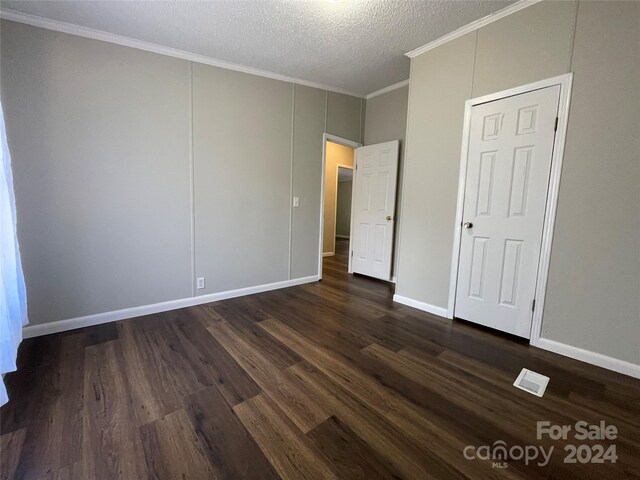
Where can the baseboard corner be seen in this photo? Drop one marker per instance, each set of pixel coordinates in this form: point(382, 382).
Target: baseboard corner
point(425, 307)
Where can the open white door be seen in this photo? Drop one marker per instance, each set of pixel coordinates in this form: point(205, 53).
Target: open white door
point(510, 147)
point(374, 184)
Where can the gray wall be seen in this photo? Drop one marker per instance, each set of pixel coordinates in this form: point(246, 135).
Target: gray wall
point(594, 278)
point(345, 116)
point(104, 139)
point(440, 84)
point(99, 136)
point(593, 293)
point(386, 120)
point(242, 162)
point(309, 120)
point(343, 208)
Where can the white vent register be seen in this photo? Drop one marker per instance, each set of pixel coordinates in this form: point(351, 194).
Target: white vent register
point(531, 382)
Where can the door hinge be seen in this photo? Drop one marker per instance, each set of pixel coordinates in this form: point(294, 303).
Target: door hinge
point(351, 253)
point(533, 305)
point(555, 128)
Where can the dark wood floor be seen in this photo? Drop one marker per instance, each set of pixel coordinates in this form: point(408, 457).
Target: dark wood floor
point(325, 380)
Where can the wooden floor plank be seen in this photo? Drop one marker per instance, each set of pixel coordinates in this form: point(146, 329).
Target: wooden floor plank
point(233, 382)
point(231, 451)
point(277, 384)
point(381, 390)
point(154, 394)
point(486, 403)
point(53, 406)
point(68, 472)
point(112, 447)
point(564, 408)
point(387, 441)
point(350, 456)
point(291, 454)
point(10, 452)
point(101, 333)
point(245, 321)
point(172, 449)
point(440, 442)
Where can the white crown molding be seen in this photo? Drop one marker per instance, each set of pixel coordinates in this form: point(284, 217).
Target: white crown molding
point(515, 7)
point(587, 356)
point(425, 307)
point(106, 317)
point(42, 22)
point(390, 88)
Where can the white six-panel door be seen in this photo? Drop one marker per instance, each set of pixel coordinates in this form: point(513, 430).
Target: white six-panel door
point(508, 166)
point(373, 209)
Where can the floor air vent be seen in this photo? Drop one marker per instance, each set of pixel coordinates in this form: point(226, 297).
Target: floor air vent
point(531, 382)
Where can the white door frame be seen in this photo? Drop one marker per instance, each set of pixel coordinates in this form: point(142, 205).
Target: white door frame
point(565, 82)
point(347, 143)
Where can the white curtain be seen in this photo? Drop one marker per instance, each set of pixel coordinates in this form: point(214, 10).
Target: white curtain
point(13, 310)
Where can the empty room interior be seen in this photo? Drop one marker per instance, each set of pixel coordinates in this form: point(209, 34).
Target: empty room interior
point(320, 239)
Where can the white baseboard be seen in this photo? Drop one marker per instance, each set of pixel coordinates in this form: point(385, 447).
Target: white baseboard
point(328, 254)
point(598, 359)
point(106, 317)
point(425, 307)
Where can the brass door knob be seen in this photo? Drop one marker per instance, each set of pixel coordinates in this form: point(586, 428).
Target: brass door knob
point(468, 225)
point(388, 218)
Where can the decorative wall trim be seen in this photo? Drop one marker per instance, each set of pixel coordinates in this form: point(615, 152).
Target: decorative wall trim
point(390, 88)
point(513, 8)
point(610, 363)
point(425, 307)
point(42, 22)
point(106, 317)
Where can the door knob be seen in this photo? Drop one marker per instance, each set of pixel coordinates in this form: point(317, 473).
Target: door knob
point(388, 218)
point(468, 225)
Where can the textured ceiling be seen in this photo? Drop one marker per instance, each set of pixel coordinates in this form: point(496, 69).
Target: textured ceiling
point(352, 45)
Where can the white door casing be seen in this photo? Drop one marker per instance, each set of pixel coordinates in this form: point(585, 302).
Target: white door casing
point(327, 137)
point(375, 182)
point(510, 148)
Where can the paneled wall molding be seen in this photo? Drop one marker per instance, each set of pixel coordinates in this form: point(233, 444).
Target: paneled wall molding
point(37, 21)
point(513, 8)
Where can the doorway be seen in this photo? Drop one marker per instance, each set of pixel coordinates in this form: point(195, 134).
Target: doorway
point(373, 199)
point(509, 177)
point(338, 181)
point(338, 156)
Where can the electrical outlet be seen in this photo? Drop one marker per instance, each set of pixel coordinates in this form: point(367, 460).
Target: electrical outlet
point(200, 283)
point(296, 201)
